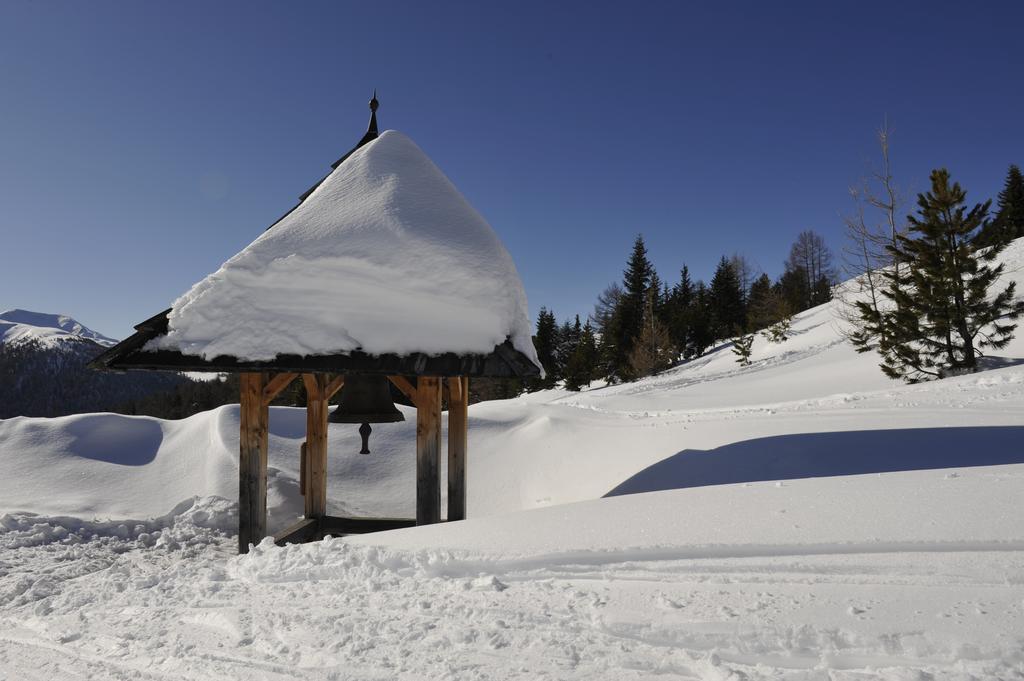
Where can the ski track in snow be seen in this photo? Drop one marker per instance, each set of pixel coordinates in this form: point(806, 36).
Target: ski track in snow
point(107, 608)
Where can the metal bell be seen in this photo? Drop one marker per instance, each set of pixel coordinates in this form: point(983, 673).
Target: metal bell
point(365, 399)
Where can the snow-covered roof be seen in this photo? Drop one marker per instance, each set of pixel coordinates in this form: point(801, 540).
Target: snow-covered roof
point(384, 256)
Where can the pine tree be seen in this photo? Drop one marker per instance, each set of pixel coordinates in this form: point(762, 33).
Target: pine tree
point(627, 320)
point(568, 339)
point(1008, 223)
point(679, 313)
point(1010, 205)
point(701, 333)
point(727, 314)
point(546, 342)
point(582, 366)
point(654, 289)
point(778, 332)
point(792, 287)
point(943, 315)
point(761, 304)
point(742, 347)
point(653, 349)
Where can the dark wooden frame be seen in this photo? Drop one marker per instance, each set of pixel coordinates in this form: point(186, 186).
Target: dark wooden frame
point(258, 389)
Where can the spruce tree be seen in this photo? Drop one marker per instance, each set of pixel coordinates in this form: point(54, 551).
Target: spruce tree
point(546, 342)
point(942, 315)
point(792, 287)
point(568, 339)
point(761, 304)
point(742, 347)
point(582, 366)
point(627, 321)
point(654, 289)
point(680, 312)
point(1008, 223)
point(701, 332)
point(778, 331)
point(727, 314)
point(1010, 205)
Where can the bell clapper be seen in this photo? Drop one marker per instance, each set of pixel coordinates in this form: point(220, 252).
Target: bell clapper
point(364, 431)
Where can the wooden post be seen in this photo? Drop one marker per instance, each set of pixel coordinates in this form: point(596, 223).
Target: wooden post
point(316, 445)
point(458, 426)
point(428, 451)
point(252, 462)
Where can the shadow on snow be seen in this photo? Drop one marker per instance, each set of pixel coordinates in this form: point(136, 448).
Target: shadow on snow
point(818, 455)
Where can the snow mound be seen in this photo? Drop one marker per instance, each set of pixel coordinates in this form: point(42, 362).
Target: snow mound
point(193, 521)
point(22, 325)
point(386, 256)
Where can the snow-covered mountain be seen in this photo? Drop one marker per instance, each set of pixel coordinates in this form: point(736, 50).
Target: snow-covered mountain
point(21, 325)
point(803, 517)
point(43, 370)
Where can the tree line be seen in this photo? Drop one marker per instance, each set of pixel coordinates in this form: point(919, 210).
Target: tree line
point(643, 325)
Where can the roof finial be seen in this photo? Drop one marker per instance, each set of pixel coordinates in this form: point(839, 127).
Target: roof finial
point(371, 132)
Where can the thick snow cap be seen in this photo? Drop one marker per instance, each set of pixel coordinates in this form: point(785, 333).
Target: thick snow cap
point(385, 256)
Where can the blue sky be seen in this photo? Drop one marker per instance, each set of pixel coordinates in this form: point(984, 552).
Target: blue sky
point(145, 143)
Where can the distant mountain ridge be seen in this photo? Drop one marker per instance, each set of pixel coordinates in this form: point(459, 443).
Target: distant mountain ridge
point(44, 372)
point(19, 325)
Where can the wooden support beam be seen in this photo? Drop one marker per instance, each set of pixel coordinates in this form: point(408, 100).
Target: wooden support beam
point(428, 450)
point(316, 445)
point(405, 387)
point(276, 384)
point(334, 525)
point(334, 386)
point(302, 531)
point(458, 430)
point(252, 462)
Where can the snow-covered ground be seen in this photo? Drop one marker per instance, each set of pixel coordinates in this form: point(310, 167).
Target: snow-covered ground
point(801, 518)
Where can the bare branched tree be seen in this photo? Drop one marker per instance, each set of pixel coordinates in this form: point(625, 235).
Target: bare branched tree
point(811, 258)
point(871, 230)
point(604, 308)
point(746, 272)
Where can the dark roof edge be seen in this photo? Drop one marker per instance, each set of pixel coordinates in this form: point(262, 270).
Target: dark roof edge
point(503, 362)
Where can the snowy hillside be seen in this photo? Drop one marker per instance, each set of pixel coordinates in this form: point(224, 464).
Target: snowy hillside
point(800, 518)
point(49, 329)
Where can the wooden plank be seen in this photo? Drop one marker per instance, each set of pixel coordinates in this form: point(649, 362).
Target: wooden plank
point(335, 525)
point(302, 531)
point(303, 464)
point(458, 431)
point(405, 387)
point(334, 386)
point(428, 451)
point(316, 445)
point(276, 384)
point(252, 462)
